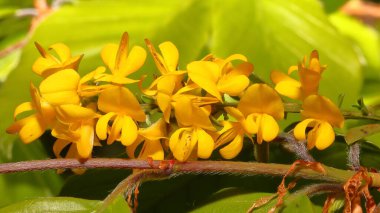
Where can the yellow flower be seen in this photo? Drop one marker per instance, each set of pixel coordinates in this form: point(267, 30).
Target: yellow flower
point(220, 76)
point(76, 125)
point(170, 80)
point(123, 109)
point(87, 85)
point(263, 105)
point(48, 64)
point(61, 87)
point(233, 132)
point(32, 127)
point(322, 115)
point(309, 79)
point(121, 62)
point(193, 122)
point(151, 139)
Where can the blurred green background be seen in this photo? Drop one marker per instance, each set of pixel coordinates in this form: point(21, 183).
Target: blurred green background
point(273, 34)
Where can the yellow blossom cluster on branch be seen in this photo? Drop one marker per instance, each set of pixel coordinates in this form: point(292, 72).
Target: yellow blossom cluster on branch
point(194, 106)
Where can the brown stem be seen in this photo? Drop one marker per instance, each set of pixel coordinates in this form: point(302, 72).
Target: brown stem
point(191, 167)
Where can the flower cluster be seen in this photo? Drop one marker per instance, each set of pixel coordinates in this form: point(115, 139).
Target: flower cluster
point(210, 105)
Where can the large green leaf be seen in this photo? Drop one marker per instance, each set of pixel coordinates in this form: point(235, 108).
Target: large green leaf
point(275, 34)
point(64, 204)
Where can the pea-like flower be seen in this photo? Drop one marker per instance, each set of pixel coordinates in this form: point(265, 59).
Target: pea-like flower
point(233, 132)
point(309, 77)
point(33, 126)
point(121, 62)
point(48, 64)
point(193, 121)
point(123, 109)
point(219, 76)
point(76, 125)
point(170, 80)
point(321, 115)
point(151, 138)
point(262, 104)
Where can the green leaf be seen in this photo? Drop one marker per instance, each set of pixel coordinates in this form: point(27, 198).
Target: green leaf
point(21, 186)
point(233, 200)
point(357, 133)
point(8, 63)
point(301, 204)
point(56, 204)
point(276, 34)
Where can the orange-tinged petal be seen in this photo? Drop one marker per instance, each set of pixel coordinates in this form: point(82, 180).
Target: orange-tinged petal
point(260, 98)
point(205, 74)
point(164, 103)
point(24, 107)
point(61, 87)
point(300, 129)
point(278, 77)
point(108, 55)
point(322, 108)
point(72, 113)
point(134, 61)
point(128, 132)
point(122, 101)
point(232, 58)
point(62, 51)
point(232, 149)
point(325, 135)
point(41, 64)
point(205, 144)
point(86, 142)
point(102, 125)
point(268, 128)
point(170, 55)
point(233, 85)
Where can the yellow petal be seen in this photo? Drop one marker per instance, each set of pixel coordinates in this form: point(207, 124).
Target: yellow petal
point(41, 64)
point(72, 113)
point(322, 108)
point(131, 150)
point(62, 51)
point(128, 132)
point(268, 128)
point(92, 75)
point(122, 101)
point(158, 60)
point(102, 125)
point(170, 55)
point(134, 61)
point(290, 89)
point(29, 128)
point(86, 142)
point(292, 69)
point(205, 144)
point(278, 77)
point(206, 75)
point(300, 129)
point(249, 124)
point(156, 131)
point(233, 85)
point(163, 101)
point(115, 131)
point(233, 58)
point(325, 135)
point(24, 107)
point(108, 55)
point(61, 87)
point(152, 149)
point(233, 149)
point(260, 98)
point(58, 146)
point(182, 143)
